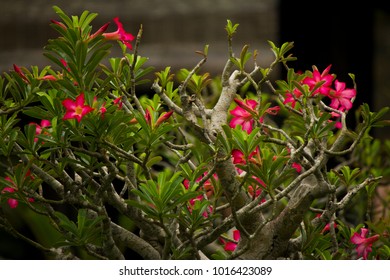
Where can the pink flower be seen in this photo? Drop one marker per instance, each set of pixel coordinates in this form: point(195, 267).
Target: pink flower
point(271, 111)
point(100, 31)
point(148, 116)
point(120, 34)
point(102, 109)
point(243, 114)
point(254, 157)
point(254, 192)
point(297, 167)
point(207, 186)
point(232, 245)
point(21, 74)
point(291, 97)
point(38, 128)
point(363, 244)
point(208, 190)
point(60, 24)
point(48, 78)
point(164, 116)
point(320, 77)
point(12, 202)
point(118, 101)
point(341, 97)
point(76, 109)
point(327, 227)
point(65, 64)
point(238, 157)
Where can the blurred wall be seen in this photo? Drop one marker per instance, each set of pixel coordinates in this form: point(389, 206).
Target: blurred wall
point(173, 29)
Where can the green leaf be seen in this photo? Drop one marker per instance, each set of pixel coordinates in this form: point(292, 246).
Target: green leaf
point(231, 28)
point(348, 176)
point(153, 161)
point(164, 76)
point(86, 18)
point(63, 16)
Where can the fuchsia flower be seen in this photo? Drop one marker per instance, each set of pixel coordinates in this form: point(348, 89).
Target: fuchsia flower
point(118, 101)
point(320, 77)
point(100, 31)
point(297, 167)
point(243, 114)
point(12, 202)
point(341, 96)
point(65, 64)
point(207, 186)
point(76, 109)
point(48, 78)
point(238, 157)
point(102, 108)
point(291, 97)
point(39, 128)
point(327, 227)
point(148, 116)
point(363, 244)
point(164, 116)
point(60, 24)
point(209, 191)
point(21, 74)
point(232, 245)
point(270, 111)
point(254, 157)
point(120, 34)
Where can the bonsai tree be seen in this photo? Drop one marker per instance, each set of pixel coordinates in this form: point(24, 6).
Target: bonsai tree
point(232, 167)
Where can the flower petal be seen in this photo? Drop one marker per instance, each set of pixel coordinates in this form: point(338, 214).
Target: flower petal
point(230, 246)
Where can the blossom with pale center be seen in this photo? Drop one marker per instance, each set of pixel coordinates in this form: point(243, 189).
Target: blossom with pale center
point(120, 34)
point(76, 109)
point(363, 244)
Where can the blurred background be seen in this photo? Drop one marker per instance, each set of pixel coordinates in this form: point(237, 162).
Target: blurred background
point(354, 39)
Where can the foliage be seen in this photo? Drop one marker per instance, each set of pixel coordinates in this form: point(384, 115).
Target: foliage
point(168, 175)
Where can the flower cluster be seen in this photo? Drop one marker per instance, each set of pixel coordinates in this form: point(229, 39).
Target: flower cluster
point(326, 85)
point(245, 114)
